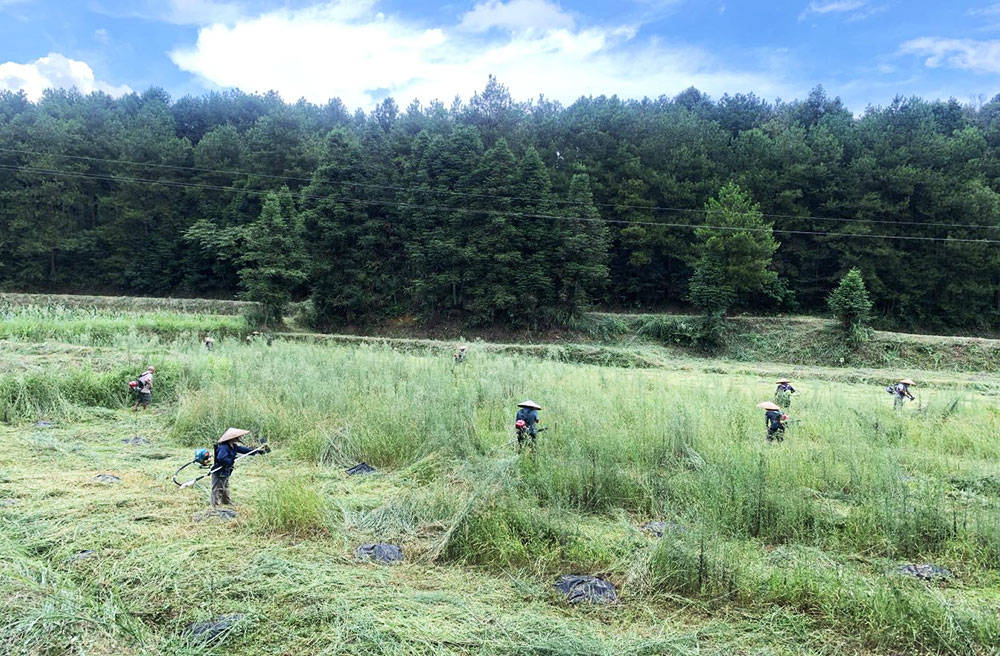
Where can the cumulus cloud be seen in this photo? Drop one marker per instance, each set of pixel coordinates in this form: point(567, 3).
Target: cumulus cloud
point(352, 51)
point(53, 71)
point(968, 54)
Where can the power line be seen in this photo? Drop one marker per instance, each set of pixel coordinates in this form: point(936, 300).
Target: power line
point(554, 217)
point(462, 194)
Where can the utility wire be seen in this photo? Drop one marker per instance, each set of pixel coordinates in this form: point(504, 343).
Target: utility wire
point(554, 217)
point(462, 194)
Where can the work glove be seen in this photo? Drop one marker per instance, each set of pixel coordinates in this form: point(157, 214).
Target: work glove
point(264, 448)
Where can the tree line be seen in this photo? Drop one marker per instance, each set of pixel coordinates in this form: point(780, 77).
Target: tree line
point(491, 211)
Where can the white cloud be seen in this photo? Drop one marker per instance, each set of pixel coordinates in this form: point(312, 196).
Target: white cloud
point(832, 7)
point(351, 51)
point(835, 6)
point(199, 12)
point(991, 10)
point(516, 15)
point(968, 54)
point(177, 12)
point(53, 71)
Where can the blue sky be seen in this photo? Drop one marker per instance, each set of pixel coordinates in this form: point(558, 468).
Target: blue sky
point(865, 51)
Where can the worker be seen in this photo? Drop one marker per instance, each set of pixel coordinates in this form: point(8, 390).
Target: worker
point(526, 422)
point(225, 454)
point(144, 389)
point(460, 354)
point(901, 392)
point(783, 395)
point(209, 343)
point(774, 420)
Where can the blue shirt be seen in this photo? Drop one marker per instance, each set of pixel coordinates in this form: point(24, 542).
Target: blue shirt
point(225, 457)
point(529, 416)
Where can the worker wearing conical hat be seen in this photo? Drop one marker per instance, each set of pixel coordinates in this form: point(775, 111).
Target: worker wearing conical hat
point(226, 451)
point(774, 420)
point(783, 395)
point(901, 392)
point(526, 421)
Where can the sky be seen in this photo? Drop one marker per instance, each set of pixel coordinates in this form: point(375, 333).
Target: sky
point(864, 51)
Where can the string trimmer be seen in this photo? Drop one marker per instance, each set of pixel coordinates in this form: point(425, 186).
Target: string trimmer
point(203, 458)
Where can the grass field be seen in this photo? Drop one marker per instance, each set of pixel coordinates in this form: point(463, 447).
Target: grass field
point(791, 548)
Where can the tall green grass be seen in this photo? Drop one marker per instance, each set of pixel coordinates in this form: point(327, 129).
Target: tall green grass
point(293, 506)
point(103, 327)
point(137, 304)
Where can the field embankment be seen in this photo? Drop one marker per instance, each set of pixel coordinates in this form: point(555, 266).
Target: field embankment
point(601, 338)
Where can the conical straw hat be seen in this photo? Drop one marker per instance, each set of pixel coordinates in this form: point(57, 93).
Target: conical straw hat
point(767, 405)
point(907, 381)
point(233, 434)
point(529, 404)
point(782, 380)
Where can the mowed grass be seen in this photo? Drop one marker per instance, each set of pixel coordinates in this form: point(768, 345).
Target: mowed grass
point(783, 548)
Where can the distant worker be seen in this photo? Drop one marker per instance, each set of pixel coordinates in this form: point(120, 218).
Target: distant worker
point(901, 392)
point(783, 395)
point(526, 422)
point(226, 451)
point(144, 389)
point(460, 354)
point(774, 420)
point(209, 343)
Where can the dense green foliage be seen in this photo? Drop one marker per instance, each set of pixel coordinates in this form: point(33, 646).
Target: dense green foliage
point(473, 212)
point(850, 303)
point(274, 260)
point(734, 260)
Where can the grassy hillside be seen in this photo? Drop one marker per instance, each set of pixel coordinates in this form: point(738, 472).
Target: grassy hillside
point(791, 548)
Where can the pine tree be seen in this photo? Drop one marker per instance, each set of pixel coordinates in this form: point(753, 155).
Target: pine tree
point(494, 248)
point(336, 226)
point(582, 273)
point(850, 303)
point(274, 260)
point(739, 246)
point(537, 237)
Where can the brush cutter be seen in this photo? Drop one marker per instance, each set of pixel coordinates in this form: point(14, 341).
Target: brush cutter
point(203, 459)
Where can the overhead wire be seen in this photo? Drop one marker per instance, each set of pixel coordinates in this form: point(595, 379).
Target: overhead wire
point(494, 212)
point(450, 192)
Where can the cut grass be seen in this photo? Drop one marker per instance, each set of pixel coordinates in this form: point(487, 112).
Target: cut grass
point(784, 548)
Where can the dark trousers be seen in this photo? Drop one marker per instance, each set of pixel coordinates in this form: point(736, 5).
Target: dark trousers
point(220, 490)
